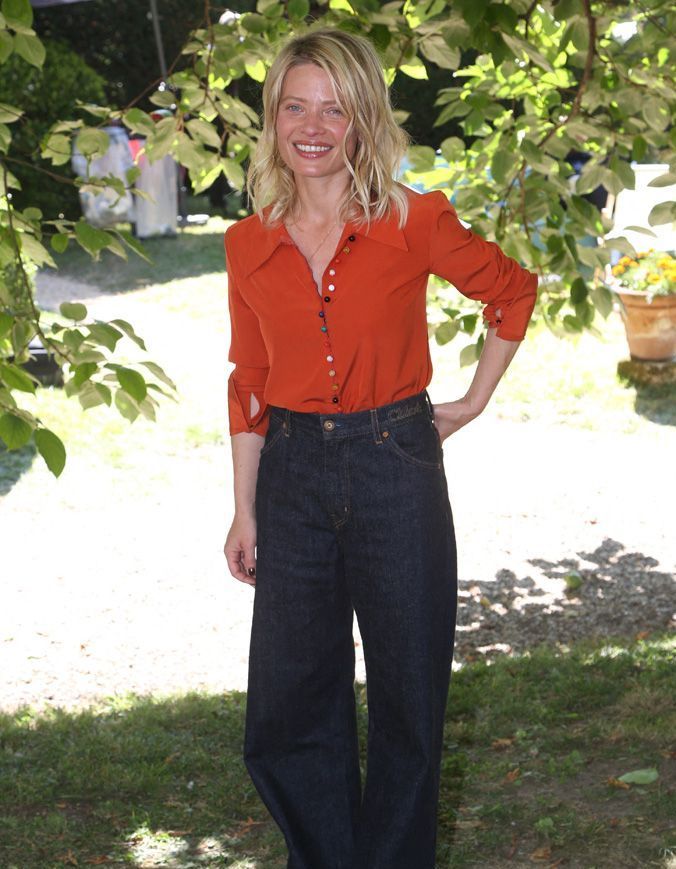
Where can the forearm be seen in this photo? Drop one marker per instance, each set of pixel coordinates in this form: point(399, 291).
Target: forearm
point(493, 362)
point(246, 449)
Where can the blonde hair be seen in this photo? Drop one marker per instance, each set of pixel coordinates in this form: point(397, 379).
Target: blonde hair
point(354, 69)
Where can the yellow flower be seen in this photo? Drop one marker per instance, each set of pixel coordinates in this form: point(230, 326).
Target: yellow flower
point(632, 262)
point(618, 270)
point(653, 278)
point(625, 261)
point(664, 262)
point(641, 254)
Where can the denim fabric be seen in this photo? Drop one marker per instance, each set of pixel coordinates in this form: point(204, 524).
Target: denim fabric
point(353, 514)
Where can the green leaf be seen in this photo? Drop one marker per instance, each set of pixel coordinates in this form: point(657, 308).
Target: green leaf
point(256, 71)
point(573, 580)
point(298, 9)
point(603, 300)
point(6, 323)
point(105, 334)
point(59, 242)
point(414, 68)
point(132, 382)
point(204, 132)
point(663, 212)
point(234, 173)
point(155, 369)
point(73, 310)
point(93, 240)
point(656, 113)
point(16, 378)
point(640, 776)
point(436, 49)
point(92, 142)
point(452, 149)
point(18, 11)
point(665, 180)
point(139, 121)
point(520, 47)
point(134, 244)
point(30, 48)
point(468, 355)
point(128, 330)
point(14, 431)
point(578, 291)
point(446, 332)
point(6, 45)
point(126, 405)
point(51, 449)
point(89, 396)
point(422, 158)
point(83, 372)
point(160, 144)
point(9, 114)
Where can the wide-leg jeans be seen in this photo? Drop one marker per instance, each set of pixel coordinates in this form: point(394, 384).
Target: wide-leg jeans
point(352, 514)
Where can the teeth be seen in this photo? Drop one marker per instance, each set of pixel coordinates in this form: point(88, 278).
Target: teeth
point(313, 148)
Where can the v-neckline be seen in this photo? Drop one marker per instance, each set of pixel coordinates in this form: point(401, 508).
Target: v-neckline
point(339, 242)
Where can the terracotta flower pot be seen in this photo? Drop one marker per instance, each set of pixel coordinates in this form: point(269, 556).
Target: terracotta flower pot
point(650, 325)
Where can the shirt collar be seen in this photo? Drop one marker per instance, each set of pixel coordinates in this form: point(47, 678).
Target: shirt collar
point(265, 241)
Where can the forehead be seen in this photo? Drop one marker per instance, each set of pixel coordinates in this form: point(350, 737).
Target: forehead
point(308, 78)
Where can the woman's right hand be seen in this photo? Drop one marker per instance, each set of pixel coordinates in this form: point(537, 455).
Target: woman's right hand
point(240, 548)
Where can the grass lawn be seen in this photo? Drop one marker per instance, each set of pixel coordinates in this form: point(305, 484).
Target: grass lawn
point(535, 747)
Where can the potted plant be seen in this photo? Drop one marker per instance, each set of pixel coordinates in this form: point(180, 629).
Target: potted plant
point(646, 288)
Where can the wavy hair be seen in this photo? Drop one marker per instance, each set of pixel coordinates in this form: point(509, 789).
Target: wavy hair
point(355, 71)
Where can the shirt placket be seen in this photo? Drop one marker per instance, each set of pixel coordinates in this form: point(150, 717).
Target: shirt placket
point(330, 285)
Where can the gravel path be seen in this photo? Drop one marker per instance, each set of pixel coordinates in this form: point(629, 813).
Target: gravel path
point(116, 580)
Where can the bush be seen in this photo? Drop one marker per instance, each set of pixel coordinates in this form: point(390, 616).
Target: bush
point(46, 95)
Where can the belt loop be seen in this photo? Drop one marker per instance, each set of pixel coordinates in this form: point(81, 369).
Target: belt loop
point(430, 406)
point(287, 422)
point(375, 426)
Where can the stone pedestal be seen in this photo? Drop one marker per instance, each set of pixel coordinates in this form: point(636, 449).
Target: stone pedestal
point(647, 373)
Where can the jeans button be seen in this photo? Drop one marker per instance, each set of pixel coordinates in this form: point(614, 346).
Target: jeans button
point(329, 425)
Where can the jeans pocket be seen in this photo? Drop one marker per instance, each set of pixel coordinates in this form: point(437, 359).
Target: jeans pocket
point(276, 428)
point(416, 441)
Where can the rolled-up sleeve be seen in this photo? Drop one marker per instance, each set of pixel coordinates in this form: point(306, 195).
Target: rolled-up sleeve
point(481, 271)
point(248, 352)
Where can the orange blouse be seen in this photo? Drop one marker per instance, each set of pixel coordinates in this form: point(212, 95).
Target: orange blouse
point(363, 342)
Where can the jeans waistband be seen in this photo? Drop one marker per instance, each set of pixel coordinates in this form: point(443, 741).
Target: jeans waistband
point(339, 425)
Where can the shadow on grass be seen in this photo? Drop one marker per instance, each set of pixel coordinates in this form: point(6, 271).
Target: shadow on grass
point(13, 465)
point(190, 254)
point(148, 782)
point(500, 617)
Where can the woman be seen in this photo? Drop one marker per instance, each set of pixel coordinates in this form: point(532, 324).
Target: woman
point(341, 501)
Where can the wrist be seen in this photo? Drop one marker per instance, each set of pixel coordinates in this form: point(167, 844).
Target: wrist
point(475, 404)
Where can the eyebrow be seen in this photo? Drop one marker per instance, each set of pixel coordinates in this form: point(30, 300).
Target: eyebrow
point(301, 100)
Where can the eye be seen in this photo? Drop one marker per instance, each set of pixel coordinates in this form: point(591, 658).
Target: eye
point(336, 111)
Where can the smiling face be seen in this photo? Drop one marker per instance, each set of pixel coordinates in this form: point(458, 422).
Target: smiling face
point(311, 125)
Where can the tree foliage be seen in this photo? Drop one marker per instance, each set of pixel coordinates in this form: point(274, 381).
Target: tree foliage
point(527, 83)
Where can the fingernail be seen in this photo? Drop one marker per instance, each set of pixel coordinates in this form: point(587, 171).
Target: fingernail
point(251, 571)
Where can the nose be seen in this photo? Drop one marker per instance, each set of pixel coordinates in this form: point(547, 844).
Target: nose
point(313, 120)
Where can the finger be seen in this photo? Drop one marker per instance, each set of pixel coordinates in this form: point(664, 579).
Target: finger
point(249, 561)
point(234, 557)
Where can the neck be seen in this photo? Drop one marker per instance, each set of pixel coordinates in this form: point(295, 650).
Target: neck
point(319, 199)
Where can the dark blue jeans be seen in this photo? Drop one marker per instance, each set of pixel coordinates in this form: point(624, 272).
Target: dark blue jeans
point(352, 515)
